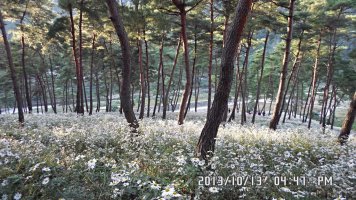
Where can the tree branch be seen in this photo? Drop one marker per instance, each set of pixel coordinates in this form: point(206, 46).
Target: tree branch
point(168, 11)
point(195, 5)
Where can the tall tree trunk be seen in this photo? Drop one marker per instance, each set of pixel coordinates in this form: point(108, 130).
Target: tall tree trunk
point(193, 82)
point(165, 102)
point(147, 75)
point(178, 89)
point(197, 90)
point(43, 92)
point(348, 121)
point(305, 114)
point(206, 143)
point(91, 76)
point(81, 75)
point(183, 15)
point(315, 76)
point(291, 95)
point(97, 91)
point(12, 71)
point(126, 71)
point(275, 118)
point(237, 86)
point(211, 42)
point(79, 107)
point(329, 72)
point(53, 87)
point(297, 61)
point(261, 76)
point(159, 75)
point(142, 80)
point(244, 94)
point(28, 97)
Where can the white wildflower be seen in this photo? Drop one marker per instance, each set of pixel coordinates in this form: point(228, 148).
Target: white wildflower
point(155, 186)
point(287, 154)
point(202, 162)
point(4, 197)
point(17, 196)
point(46, 169)
point(4, 183)
point(284, 189)
point(92, 163)
point(213, 189)
point(45, 181)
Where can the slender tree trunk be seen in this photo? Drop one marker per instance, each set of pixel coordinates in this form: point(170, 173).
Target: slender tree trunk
point(53, 87)
point(206, 143)
point(165, 103)
point(275, 118)
point(305, 116)
point(211, 42)
point(315, 76)
point(193, 82)
point(348, 121)
point(66, 86)
point(12, 71)
point(244, 75)
point(297, 61)
point(81, 75)
point(237, 86)
point(43, 91)
point(178, 89)
point(183, 104)
point(97, 91)
point(126, 71)
point(79, 106)
point(91, 76)
point(28, 97)
point(291, 95)
point(147, 75)
point(159, 75)
point(142, 80)
point(197, 90)
point(261, 76)
point(329, 73)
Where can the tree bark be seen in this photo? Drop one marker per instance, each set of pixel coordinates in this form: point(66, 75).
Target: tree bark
point(159, 75)
point(329, 73)
point(126, 71)
point(27, 93)
point(12, 71)
point(183, 15)
point(275, 118)
point(193, 82)
point(142, 80)
point(147, 75)
point(315, 76)
point(91, 76)
point(211, 42)
point(348, 121)
point(237, 86)
point(261, 76)
point(53, 87)
point(165, 102)
point(79, 106)
point(297, 61)
point(83, 94)
point(206, 143)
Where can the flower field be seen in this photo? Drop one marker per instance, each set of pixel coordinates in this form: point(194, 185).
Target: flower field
point(64, 156)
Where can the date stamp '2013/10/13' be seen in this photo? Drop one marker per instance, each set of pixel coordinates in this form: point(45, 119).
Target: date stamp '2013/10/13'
point(262, 180)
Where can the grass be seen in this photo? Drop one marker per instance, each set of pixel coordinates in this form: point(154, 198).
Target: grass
point(92, 157)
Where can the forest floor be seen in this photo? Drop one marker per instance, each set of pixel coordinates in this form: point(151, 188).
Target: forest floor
point(66, 156)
